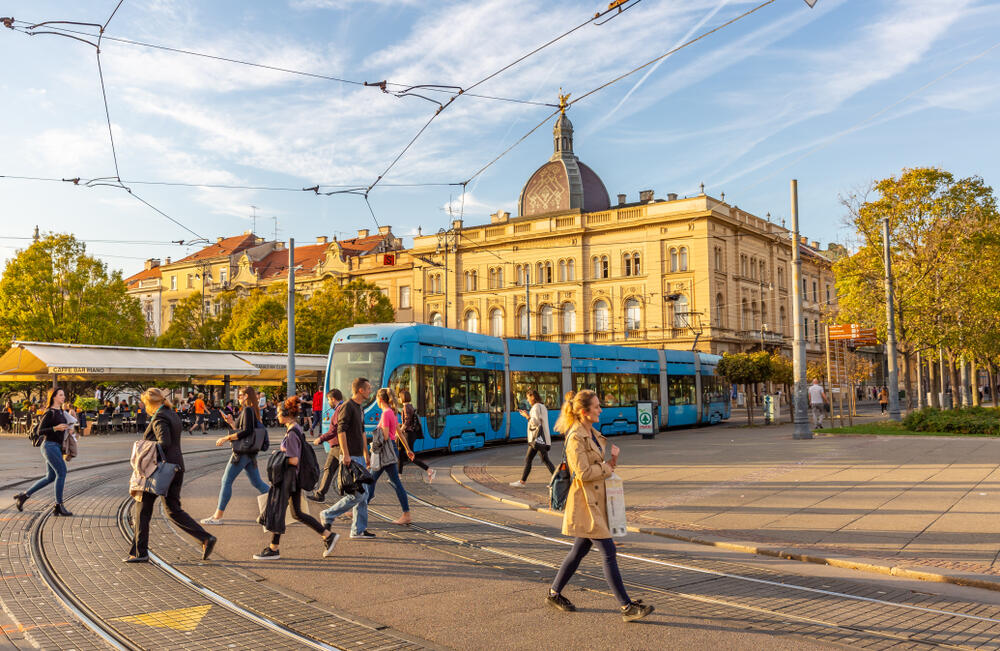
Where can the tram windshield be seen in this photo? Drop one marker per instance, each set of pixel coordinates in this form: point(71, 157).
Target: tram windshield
point(357, 360)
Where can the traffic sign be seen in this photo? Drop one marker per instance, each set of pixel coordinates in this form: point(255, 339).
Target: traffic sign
point(851, 331)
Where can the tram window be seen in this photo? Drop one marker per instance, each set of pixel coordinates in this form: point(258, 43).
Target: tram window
point(583, 381)
point(477, 392)
point(431, 404)
point(494, 397)
point(713, 389)
point(357, 360)
point(682, 390)
point(457, 390)
point(404, 377)
point(548, 386)
point(649, 388)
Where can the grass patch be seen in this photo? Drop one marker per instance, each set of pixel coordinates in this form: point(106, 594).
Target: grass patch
point(891, 428)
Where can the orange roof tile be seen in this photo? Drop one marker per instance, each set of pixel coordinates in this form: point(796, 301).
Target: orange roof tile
point(275, 264)
point(228, 246)
point(360, 245)
point(145, 274)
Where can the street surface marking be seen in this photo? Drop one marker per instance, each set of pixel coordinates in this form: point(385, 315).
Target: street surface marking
point(181, 619)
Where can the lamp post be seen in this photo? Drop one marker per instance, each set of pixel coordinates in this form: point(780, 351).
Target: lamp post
point(800, 417)
point(447, 239)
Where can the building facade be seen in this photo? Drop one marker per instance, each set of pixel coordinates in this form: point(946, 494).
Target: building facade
point(686, 273)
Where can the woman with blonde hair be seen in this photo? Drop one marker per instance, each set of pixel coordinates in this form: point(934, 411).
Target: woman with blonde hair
point(165, 428)
point(586, 516)
point(565, 419)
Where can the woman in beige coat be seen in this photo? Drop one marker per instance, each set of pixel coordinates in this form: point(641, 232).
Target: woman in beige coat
point(586, 516)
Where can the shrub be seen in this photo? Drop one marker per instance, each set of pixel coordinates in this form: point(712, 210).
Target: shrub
point(84, 403)
point(967, 420)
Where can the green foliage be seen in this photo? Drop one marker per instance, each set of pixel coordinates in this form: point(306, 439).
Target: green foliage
point(747, 369)
point(54, 291)
point(782, 370)
point(966, 420)
point(194, 327)
point(333, 308)
point(258, 322)
point(84, 403)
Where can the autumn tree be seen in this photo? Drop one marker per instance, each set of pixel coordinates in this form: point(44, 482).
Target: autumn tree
point(194, 326)
point(54, 291)
point(334, 308)
point(258, 321)
point(747, 369)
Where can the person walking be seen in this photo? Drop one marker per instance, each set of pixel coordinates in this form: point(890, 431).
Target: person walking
point(817, 403)
point(241, 428)
point(389, 426)
point(200, 410)
point(883, 398)
point(351, 438)
point(586, 516)
point(334, 398)
point(285, 491)
point(52, 429)
point(412, 431)
point(165, 428)
point(539, 438)
point(317, 411)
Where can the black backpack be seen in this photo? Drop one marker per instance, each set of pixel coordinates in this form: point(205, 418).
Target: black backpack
point(35, 433)
point(308, 465)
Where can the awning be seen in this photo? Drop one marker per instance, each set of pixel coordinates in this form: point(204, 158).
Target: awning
point(38, 361)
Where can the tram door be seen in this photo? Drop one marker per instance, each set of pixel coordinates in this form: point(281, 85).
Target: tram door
point(433, 399)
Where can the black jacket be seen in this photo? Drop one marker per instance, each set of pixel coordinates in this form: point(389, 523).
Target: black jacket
point(245, 424)
point(283, 483)
point(50, 419)
point(165, 428)
point(352, 423)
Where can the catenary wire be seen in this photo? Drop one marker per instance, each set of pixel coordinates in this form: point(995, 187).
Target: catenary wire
point(231, 186)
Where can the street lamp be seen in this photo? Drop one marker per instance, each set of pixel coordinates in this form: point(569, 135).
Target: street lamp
point(447, 240)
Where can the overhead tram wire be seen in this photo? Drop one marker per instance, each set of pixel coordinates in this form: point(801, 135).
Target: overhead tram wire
point(230, 186)
point(25, 27)
point(463, 91)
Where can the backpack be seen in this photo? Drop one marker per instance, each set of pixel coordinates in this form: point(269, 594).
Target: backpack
point(308, 466)
point(414, 430)
point(35, 433)
point(559, 486)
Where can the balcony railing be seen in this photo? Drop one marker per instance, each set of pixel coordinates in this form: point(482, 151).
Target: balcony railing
point(756, 336)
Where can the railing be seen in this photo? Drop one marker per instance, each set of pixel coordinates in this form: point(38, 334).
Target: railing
point(599, 218)
point(756, 336)
point(472, 235)
point(630, 213)
point(601, 336)
point(496, 231)
point(565, 222)
point(522, 228)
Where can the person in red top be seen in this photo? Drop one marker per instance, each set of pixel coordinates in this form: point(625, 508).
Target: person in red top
point(317, 415)
point(199, 414)
point(335, 398)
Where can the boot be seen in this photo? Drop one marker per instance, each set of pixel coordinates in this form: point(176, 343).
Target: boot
point(59, 509)
point(19, 501)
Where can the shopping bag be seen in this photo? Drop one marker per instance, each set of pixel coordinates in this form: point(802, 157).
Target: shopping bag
point(289, 518)
point(614, 488)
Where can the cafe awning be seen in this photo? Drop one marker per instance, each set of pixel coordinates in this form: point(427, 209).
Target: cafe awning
point(40, 361)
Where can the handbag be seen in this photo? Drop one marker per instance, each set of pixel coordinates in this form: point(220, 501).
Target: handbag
point(159, 482)
point(559, 486)
point(256, 442)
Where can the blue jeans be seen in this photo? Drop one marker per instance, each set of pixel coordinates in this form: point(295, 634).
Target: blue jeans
point(246, 463)
point(52, 453)
point(397, 484)
point(358, 503)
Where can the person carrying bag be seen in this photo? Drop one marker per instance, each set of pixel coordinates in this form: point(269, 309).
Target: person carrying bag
point(539, 438)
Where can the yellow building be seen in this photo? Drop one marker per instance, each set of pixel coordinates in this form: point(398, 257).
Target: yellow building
point(685, 273)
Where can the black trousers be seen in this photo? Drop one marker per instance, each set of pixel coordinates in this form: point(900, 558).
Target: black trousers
point(329, 470)
point(528, 458)
point(403, 459)
point(308, 520)
point(172, 504)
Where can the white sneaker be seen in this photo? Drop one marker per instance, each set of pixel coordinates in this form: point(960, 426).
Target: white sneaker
point(210, 520)
point(431, 475)
point(518, 484)
point(331, 542)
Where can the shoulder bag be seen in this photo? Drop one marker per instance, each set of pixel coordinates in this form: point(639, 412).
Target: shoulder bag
point(256, 442)
point(159, 482)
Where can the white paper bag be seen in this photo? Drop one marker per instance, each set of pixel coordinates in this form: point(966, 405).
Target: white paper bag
point(289, 518)
point(614, 488)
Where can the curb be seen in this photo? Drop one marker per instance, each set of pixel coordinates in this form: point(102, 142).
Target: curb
point(856, 563)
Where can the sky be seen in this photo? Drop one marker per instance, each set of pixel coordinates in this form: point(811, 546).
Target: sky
point(836, 97)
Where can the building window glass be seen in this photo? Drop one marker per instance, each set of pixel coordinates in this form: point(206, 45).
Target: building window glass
point(782, 320)
point(570, 269)
point(633, 315)
point(718, 259)
point(471, 321)
point(404, 297)
point(436, 319)
point(568, 318)
point(781, 277)
point(499, 277)
point(519, 270)
point(222, 276)
point(548, 272)
point(681, 312)
point(828, 295)
point(190, 281)
point(673, 259)
point(745, 315)
point(496, 322)
point(635, 264)
point(522, 321)
point(173, 284)
point(602, 320)
point(562, 271)
point(763, 270)
point(605, 267)
point(720, 308)
point(815, 293)
point(545, 320)
point(627, 264)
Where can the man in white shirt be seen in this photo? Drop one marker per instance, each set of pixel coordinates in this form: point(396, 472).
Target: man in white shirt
point(539, 438)
point(817, 403)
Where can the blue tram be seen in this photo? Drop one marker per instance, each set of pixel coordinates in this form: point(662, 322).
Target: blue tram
point(468, 387)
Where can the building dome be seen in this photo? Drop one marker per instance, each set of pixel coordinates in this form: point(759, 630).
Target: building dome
point(563, 183)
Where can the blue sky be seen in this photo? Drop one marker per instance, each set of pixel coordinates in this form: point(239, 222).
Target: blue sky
point(833, 96)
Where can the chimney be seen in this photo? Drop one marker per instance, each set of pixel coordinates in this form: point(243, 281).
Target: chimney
point(167, 261)
point(457, 224)
point(804, 239)
point(218, 240)
point(321, 239)
point(499, 217)
point(362, 233)
point(622, 199)
point(384, 230)
point(671, 196)
point(645, 196)
point(152, 263)
point(814, 244)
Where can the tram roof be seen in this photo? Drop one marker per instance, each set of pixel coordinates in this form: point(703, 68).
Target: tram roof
point(38, 361)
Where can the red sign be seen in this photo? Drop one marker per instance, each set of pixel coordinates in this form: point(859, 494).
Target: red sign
point(389, 259)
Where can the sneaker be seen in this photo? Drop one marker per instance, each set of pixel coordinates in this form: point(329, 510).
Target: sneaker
point(136, 559)
point(329, 543)
point(207, 547)
point(364, 535)
point(210, 520)
point(635, 611)
point(267, 555)
point(518, 484)
point(431, 475)
point(316, 497)
point(560, 602)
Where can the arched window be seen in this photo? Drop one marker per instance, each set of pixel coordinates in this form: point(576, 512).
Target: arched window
point(627, 264)
point(562, 271)
point(545, 320)
point(602, 319)
point(548, 272)
point(782, 320)
point(753, 268)
point(596, 262)
point(635, 264)
point(493, 278)
point(684, 259)
point(745, 315)
point(568, 318)
point(471, 321)
point(468, 281)
point(496, 322)
point(681, 312)
point(763, 270)
point(436, 319)
point(673, 259)
point(499, 277)
point(475, 280)
point(522, 321)
point(519, 270)
point(756, 315)
point(605, 267)
point(718, 259)
point(570, 269)
point(720, 311)
point(781, 277)
point(633, 314)
point(539, 273)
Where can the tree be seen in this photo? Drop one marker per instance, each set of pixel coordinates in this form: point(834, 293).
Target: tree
point(53, 291)
point(333, 308)
point(258, 322)
point(192, 327)
point(747, 369)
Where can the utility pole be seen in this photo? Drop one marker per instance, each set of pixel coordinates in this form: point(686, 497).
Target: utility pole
point(291, 317)
point(446, 239)
point(890, 319)
point(801, 417)
point(527, 301)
